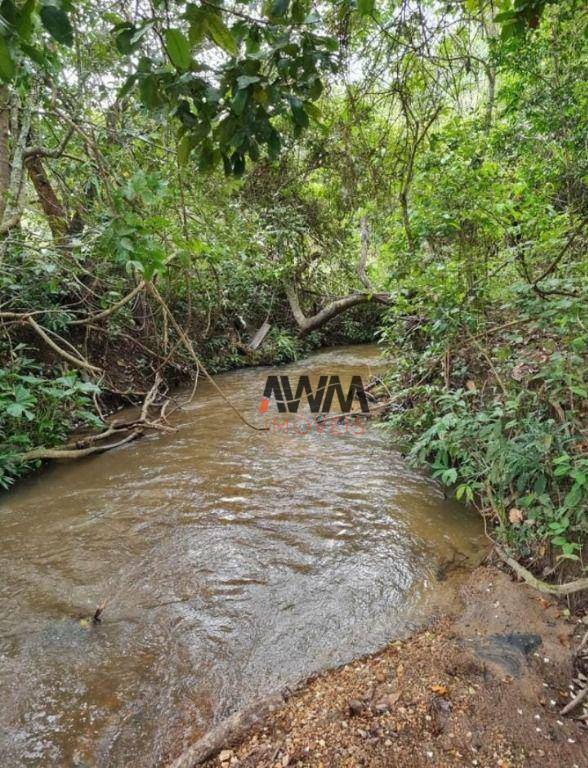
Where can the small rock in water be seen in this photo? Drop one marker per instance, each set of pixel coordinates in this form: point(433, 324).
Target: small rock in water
point(355, 707)
point(225, 755)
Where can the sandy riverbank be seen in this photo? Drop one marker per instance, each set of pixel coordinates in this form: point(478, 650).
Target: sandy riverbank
point(483, 685)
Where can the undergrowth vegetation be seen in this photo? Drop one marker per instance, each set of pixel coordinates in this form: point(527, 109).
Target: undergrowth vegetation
point(497, 409)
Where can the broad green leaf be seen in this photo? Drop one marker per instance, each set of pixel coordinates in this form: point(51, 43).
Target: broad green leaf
point(239, 102)
point(184, 149)
point(573, 496)
point(220, 34)
point(197, 20)
point(365, 7)
point(149, 91)
point(298, 113)
point(298, 11)
point(127, 85)
point(245, 80)
point(8, 11)
point(279, 8)
point(123, 39)
point(24, 21)
point(178, 48)
point(7, 65)
point(313, 110)
point(35, 54)
point(57, 23)
point(316, 88)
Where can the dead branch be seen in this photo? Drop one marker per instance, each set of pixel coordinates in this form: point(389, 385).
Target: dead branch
point(116, 306)
point(150, 397)
point(190, 349)
point(75, 361)
point(41, 454)
point(558, 258)
point(87, 445)
point(560, 590)
point(229, 731)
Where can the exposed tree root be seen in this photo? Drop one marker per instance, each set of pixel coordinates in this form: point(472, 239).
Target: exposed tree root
point(560, 590)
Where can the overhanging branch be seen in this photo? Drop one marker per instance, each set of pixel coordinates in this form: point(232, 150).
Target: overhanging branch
point(336, 307)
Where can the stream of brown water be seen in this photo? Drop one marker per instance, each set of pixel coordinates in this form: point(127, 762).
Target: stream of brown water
point(233, 562)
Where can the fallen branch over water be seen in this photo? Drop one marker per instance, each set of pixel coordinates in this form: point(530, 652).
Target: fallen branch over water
point(40, 454)
point(86, 446)
point(230, 730)
point(199, 366)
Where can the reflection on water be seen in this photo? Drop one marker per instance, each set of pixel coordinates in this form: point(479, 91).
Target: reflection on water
point(232, 561)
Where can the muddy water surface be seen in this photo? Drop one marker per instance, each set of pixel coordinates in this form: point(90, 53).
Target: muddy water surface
point(233, 562)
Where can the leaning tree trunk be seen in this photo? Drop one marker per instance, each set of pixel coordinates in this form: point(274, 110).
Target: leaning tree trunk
point(52, 206)
point(334, 308)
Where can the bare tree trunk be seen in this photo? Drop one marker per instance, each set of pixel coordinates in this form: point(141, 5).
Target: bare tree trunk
point(403, 199)
point(365, 249)
point(20, 123)
point(4, 147)
point(490, 99)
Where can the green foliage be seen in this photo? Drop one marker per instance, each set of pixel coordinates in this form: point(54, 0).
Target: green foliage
point(518, 17)
point(268, 66)
point(57, 23)
point(514, 440)
point(287, 348)
point(36, 410)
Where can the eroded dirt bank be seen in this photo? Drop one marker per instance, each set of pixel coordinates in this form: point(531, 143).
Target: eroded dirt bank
point(482, 686)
